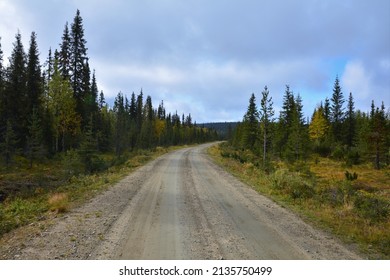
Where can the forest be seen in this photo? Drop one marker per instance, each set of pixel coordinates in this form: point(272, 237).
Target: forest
point(331, 168)
point(56, 108)
point(336, 130)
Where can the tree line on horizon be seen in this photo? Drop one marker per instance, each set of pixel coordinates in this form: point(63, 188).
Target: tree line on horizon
point(336, 129)
point(56, 107)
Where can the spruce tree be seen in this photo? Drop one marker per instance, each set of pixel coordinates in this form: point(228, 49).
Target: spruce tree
point(49, 66)
point(337, 111)
point(362, 130)
point(148, 109)
point(350, 122)
point(160, 124)
point(133, 131)
point(120, 125)
point(266, 118)
point(88, 150)
point(34, 79)
point(94, 94)
point(8, 146)
point(102, 100)
point(46, 120)
point(133, 107)
point(139, 113)
point(87, 101)
point(327, 110)
point(161, 111)
point(14, 102)
point(297, 137)
point(146, 136)
point(251, 124)
point(64, 59)
point(378, 133)
point(35, 137)
point(285, 122)
point(78, 52)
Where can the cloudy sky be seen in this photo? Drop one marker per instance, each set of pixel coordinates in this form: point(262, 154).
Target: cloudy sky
point(206, 57)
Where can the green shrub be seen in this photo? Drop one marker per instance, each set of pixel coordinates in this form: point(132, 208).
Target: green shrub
point(225, 154)
point(291, 184)
point(350, 176)
point(338, 153)
point(120, 160)
point(339, 195)
point(72, 163)
point(98, 164)
point(371, 207)
point(353, 157)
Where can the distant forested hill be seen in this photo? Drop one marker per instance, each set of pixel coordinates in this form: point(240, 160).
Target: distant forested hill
point(224, 129)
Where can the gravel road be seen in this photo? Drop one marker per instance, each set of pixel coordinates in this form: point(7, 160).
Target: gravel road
point(179, 206)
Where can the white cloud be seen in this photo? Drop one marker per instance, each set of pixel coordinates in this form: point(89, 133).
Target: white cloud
point(357, 80)
point(9, 24)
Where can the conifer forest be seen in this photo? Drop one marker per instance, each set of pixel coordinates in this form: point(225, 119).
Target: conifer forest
point(53, 107)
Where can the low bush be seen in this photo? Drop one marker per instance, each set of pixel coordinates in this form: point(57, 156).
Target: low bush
point(59, 202)
point(292, 184)
point(353, 157)
point(350, 176)
point(338, 153)
point(72, 163)
point(371, 207)
point(338, 195)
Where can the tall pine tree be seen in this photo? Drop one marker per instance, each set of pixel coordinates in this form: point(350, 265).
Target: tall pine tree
point(120, 125)
point(64, 59)
point(78, 63)
point(8, 144)
point(87, 111)
point(251, 124)
point(350, 123)
point(266, 119)
point(285, 121)
point(337, 112)
point(378, 133)
point(14, 99)
point(34, 79)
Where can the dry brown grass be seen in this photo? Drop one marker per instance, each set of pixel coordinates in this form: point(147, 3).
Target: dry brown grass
point(59, 202)
point(327, 170)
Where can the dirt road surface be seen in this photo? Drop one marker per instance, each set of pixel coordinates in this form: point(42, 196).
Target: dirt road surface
point(179, 206)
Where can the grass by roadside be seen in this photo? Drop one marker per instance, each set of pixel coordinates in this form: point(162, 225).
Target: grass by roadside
point(44, 191)
point(357, 210)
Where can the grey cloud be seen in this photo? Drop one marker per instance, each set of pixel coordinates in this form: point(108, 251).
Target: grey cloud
point(209, 56)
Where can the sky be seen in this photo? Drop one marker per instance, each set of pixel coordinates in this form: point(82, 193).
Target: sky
point(207, 57)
